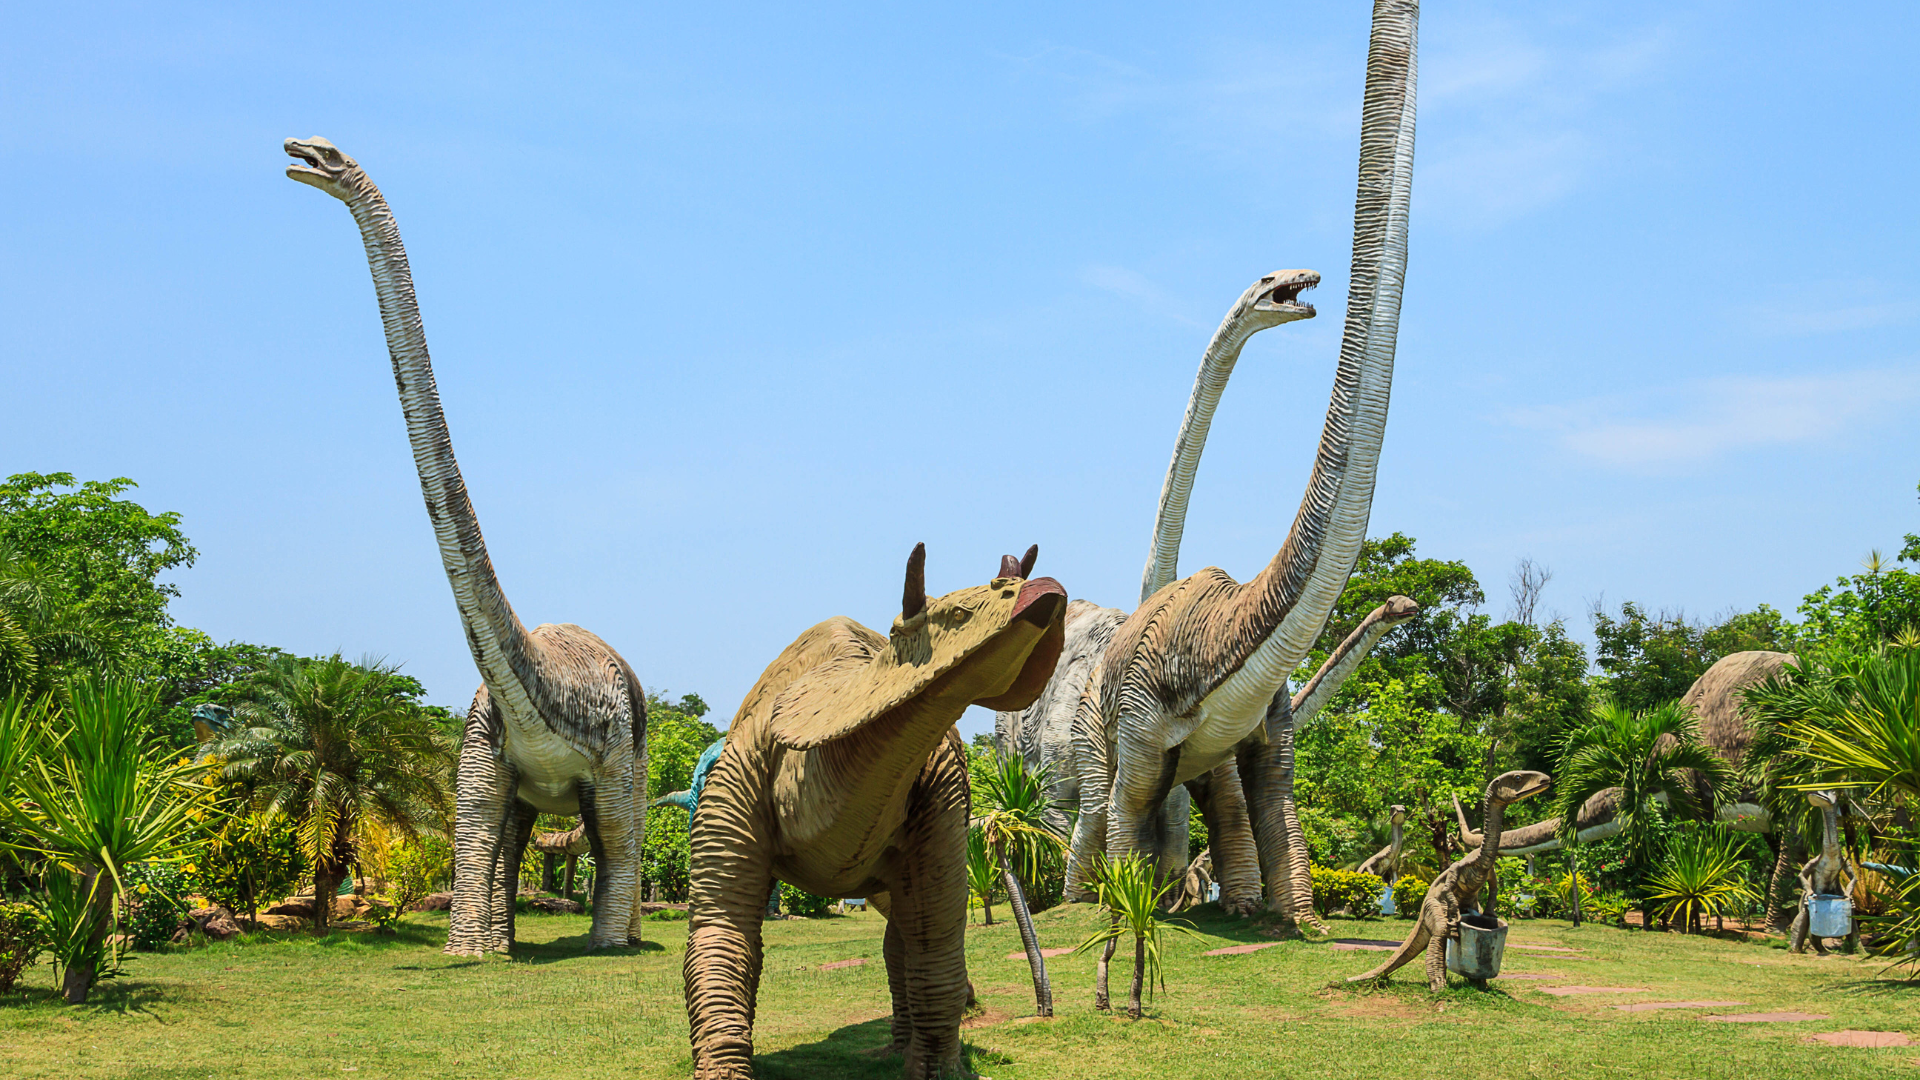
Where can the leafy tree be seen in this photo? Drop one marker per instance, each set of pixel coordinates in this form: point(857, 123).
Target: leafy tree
point(42, 632)
point(1858, 612)
point(345, 753)
point(1649, 658)
point(982, 876)
point(106, 553)
point(676, 735)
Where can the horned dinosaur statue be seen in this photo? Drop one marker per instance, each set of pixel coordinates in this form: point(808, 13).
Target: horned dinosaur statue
point(1042, 732)
point(1829, 872)
point(1457, 888)
point(560, 722)
point(1187, 687)
point(843, 775)
point(1715, 698)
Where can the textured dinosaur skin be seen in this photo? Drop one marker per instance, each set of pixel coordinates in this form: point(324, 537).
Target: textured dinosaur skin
point(560, 722)
point(1186, 692)
point(842, 774)
point(1457, 888)
point(1828, 872)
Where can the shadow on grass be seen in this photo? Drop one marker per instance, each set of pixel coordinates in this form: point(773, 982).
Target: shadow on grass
point(854, 1052)
point(560, 950)
point(1887, 984)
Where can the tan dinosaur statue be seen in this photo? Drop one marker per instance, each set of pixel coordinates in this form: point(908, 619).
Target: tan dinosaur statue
point(560, 723)
point(1830, 872)
point(1187, 686)
point(1457, 888)
point(1042, 733)
point(1385, 864)
point(843, 775)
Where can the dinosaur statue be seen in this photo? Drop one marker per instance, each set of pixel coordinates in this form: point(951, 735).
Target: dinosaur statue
point(1829, 872)
point(1187, 687)
point(560, 722)
point(1385, 863)
point(843, 775)
point(211, 722)
point(689, 800)
point(1457, 888)
point(1042, 732)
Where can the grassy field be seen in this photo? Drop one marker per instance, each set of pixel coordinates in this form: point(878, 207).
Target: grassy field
point(295, 1006)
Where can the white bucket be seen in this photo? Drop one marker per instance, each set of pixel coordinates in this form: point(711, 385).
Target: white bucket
point(1482, 944)
point(1829, 915)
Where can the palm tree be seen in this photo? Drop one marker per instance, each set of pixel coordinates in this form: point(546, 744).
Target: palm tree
point(982, 875)
point(1811, 690)
point(1015, 830)
point(1646, 759)
point(346, 757)
point(1130, 891)
point(1704, 876)
point(93, 792)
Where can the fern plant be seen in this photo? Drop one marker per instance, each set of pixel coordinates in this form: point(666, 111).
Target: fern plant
point(1703, 877)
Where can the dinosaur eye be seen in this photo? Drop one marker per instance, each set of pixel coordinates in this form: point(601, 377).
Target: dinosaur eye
point(959, 616)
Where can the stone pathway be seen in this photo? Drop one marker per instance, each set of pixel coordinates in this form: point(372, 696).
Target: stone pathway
point(1767, 1018)
point(1538, 975)
point(1236, 950)
point(1569, 991)
point(1650, 1006)
point(842, 964)
point(1865, 1038)
point(1542, 948)
point(1354, 944)
point(1022, 955)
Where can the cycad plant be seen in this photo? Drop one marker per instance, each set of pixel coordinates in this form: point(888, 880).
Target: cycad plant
point(1014, 828)
point(93, 794)
point(346, 757)
point(1130, 892)
point(982, 875)
point(1703, 877)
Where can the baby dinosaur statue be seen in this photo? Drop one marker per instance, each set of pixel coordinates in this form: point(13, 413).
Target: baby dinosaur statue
point(1458, 887)
point(842, 774)
point(1829, 872)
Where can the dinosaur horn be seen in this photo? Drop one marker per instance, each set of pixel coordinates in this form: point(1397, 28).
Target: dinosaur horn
point(1026, 563)
point(914, 600)
point(1009, 567)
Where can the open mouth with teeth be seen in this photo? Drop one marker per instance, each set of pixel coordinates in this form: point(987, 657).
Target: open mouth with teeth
point(318, 158)
point(1284, 294)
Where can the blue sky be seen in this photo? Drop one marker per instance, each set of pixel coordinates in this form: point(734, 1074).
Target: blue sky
point(731, 306)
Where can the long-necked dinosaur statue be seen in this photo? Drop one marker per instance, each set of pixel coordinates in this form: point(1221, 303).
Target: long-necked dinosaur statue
point(560, 722)
point(1829, 872)
point(843, 775)
point(1458, 887)
point(1187, 686)
point(1385, 863)
point(1042, 733)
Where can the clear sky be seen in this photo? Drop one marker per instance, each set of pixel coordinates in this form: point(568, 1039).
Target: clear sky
point(731, 304)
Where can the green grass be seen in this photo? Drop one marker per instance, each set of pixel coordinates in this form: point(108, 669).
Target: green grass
point(366, 1006)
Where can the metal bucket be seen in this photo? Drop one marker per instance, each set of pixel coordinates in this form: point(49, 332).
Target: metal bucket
point(1829, 915)
point(1483, 941)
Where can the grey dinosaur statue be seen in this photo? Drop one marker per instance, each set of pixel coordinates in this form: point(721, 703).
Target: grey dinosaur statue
point(560, 722)
point(1458, 887)
point(843, 775)
point(1830, 872)
point(1186, 689)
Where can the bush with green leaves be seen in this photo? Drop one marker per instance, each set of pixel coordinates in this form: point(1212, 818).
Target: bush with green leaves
point(153, 903)
point(1335, 889)
point(799, 902)
point(1408, 893)
point(414, 867)
point(666, 853)
point(249, 859)
point(22, 935)
point(1703, 877)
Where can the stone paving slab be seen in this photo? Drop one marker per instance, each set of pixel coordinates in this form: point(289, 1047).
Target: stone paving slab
point(1569, 991)
point(1650, 1006)
point(1864, 1038)
point(1043, 952)
point(1767, 1018)
point(1236, 950)
point(1542, 948)
point(1351, 944)
point(1538, 975)
point(842, 964)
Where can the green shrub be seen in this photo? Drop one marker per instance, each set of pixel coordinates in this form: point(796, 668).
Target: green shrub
point(1408, 893)
point(22, 934)
point(1335, 889)
point(795, 902)
point(413, 868)
point(665, 854)
point(1609, 908)
point(252, 858)
point(153, 904)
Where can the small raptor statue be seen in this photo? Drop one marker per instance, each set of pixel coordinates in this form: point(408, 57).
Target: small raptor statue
point(1458, 886)
point(1829, 872)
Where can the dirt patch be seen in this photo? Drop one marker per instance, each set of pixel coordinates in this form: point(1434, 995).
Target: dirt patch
point(1043, 952)
point(1035, 1019)
point(986, 1019)
point(1236, 950)
point(1381, 1007)
point(1651, 1006)
point(1547, 976)
point(838, 964)
point(1349, 944)
point(1767, 1018)
point(1543, 948)
point(1864, 1038)
point(1570, 991)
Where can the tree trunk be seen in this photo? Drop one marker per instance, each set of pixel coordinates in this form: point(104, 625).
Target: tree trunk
point(986, 905)
point(1786, 865)
point(1101, 1001)
point(1139, 973)
point(573, 863)
point(1573, 876)
point(326, 881)
point(549, 872)
point(77, 980)
point(1017, 900)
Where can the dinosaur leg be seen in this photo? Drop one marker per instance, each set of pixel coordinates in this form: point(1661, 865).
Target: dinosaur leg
point(1174, 816)
point(1437, 963)
point(1266, 768)
point(483, 804)
point(519, 831)
point(730, 874)
point(1090, 830)
point(607, 808)
point(929, 896)
point(1444, 912)
point(1236, 861)
point(894, 949)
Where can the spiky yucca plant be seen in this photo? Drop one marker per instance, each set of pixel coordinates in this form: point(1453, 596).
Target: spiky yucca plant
point(1014, 827)
point(1130, 892)
point(1703, 877)
point(982, 876)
